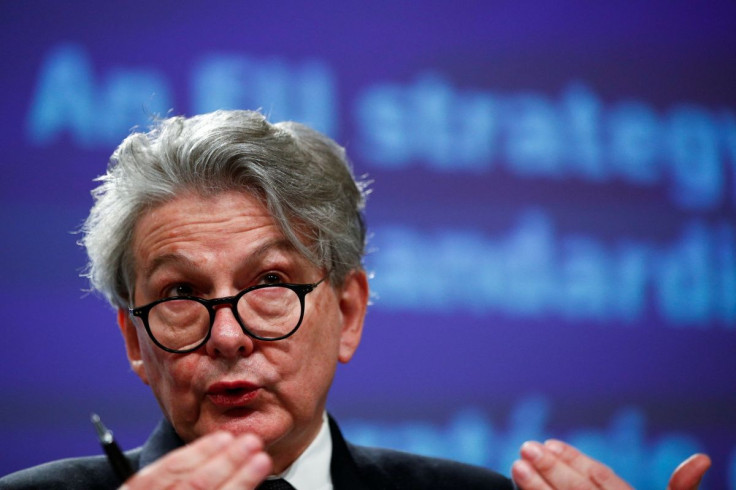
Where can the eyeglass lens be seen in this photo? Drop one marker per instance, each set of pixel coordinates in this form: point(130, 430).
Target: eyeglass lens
point(269, 313)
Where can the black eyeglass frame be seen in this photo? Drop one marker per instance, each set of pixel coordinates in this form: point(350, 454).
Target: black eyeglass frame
point(301, 291)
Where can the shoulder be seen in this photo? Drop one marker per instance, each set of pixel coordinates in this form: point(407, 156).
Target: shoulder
point(366, 468)
point(405, 470)
point(93, 472)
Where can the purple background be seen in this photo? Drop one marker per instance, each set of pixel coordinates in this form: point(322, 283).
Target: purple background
point(423, 363)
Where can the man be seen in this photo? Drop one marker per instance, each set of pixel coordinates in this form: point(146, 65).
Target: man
point(232, 250)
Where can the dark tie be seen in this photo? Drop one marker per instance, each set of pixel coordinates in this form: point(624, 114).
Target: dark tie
point(277, 484)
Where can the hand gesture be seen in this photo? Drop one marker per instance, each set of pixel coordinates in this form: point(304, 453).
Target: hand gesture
point(217, 461)
point(556, 465)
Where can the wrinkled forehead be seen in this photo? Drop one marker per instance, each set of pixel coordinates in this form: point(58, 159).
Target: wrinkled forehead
point(195, 221)
point(189, 221)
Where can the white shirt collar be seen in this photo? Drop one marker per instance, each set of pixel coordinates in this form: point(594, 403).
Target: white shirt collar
point(311, 470)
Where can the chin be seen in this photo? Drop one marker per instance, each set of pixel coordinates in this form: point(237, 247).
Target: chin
point(243, 421)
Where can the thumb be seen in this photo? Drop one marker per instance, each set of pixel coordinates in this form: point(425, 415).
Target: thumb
point(687, 476)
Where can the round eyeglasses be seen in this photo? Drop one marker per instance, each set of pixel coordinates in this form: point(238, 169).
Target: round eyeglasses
point(182, 324)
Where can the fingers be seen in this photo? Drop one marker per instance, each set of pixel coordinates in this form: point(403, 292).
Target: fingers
point(526, 476)
point(687, 476)
point(559, 465)
point(599, 473)
point(184, 459)
point(250, 476)
point(237, 461)
point(218, 460)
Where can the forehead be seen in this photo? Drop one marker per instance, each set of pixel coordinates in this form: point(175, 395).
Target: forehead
point(192, 224)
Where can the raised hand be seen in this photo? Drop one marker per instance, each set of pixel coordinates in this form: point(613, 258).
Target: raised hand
point(556, 465)
point(216, 461)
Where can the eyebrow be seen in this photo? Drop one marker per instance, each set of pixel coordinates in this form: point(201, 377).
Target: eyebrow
point(279, 244)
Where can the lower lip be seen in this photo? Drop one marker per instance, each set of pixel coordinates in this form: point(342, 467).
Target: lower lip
point(233, 399)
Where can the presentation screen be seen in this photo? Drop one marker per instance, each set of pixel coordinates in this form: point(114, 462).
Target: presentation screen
point(552, 214)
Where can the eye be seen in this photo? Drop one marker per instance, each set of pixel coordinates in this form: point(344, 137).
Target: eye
point(179, 290)
point(271, 278)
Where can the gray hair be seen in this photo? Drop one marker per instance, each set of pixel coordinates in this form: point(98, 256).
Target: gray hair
point(302, 176)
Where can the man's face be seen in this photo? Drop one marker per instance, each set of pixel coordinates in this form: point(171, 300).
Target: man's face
point(215, 247)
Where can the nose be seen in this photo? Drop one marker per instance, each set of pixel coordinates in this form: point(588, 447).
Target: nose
point(227, 338)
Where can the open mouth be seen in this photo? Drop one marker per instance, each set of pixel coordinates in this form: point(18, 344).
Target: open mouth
point(228, 395)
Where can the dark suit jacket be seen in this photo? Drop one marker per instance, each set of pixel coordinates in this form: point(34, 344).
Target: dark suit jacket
point(352, 468)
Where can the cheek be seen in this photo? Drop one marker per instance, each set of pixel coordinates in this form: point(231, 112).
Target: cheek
point(319, 349)
point(327, 327)
point(170, 377)
point(152, 365)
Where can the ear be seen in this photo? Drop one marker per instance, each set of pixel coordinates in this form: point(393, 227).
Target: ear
point(353, 305)
point(132, 344)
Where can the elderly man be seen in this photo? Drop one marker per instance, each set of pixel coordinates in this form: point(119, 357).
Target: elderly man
point(232, 249)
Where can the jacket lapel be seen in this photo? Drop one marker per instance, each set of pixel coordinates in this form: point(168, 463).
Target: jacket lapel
point(350, 472)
